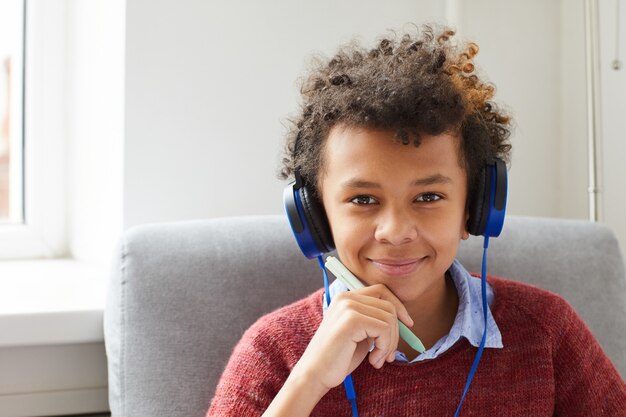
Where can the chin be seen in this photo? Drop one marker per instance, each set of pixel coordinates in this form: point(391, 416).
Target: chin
point(404, 289)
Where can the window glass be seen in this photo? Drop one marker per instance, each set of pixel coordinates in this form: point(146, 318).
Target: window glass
point(11, 109)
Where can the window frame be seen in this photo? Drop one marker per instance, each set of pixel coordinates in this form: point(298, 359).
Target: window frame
point(43, 233)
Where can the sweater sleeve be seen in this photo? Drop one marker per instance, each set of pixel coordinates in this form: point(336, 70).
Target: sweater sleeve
point(587, 383)
point(253, 376)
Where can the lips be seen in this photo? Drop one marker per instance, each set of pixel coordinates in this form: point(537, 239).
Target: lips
point(397, 267)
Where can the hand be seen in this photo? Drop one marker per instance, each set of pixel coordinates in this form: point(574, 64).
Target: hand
point(354, 321)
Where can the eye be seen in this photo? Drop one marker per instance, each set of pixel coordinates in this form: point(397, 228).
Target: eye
point(363, 200)
point(428, 198)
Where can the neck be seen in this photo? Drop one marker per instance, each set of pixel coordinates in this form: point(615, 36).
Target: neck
point(433, 317)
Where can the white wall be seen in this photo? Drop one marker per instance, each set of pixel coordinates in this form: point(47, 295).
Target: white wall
point(209, 87)
point(95, 129)
point(573, 186)
point(520, 53)
point(613, 123)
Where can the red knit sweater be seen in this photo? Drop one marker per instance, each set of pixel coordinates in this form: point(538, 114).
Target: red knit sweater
point(550, 365)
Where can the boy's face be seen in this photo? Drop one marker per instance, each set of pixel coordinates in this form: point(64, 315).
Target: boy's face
point(397, 212)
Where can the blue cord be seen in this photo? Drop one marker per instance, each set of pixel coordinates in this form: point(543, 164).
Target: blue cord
point(351, 394)
point(320, 262)
point(483, 287)
point(347, 383)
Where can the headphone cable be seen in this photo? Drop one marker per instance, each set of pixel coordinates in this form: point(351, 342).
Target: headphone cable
point(483, 287)
point(347, 383)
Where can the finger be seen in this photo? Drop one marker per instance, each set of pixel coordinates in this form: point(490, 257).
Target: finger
point(377, 330)
point(368, 306)
point(376, 358)
point(354, 311)
point(376, 308)
point(396, 339)
point(381, 352)
point(366, 324)
point(381, 292)
point(367, 299)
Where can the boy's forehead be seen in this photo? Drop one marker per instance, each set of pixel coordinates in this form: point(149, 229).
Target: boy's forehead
point(371, 150)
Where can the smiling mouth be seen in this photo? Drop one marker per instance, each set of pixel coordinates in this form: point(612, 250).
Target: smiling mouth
point(398, 267)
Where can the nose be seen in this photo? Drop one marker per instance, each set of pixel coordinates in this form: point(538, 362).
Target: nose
point(396, 226)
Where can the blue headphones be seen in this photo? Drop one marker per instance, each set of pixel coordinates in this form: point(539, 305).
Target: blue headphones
point(312, 232)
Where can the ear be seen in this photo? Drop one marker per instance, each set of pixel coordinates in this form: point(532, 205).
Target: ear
point(465, 234)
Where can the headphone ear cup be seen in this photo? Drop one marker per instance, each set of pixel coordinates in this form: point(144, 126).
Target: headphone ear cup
point(488, 207)
point(315, 216)
point(479, 204)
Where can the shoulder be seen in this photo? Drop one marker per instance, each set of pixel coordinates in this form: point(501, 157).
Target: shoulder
point(521, 303)
point(524, 296)
point(546, 328)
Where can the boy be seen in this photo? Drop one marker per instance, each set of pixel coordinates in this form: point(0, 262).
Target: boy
point(392, 142)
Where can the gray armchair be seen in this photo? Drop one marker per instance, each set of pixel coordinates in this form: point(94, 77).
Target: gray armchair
point(182, 294)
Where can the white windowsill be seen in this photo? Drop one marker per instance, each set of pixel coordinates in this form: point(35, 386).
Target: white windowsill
point(50, 302)
point(52, 353)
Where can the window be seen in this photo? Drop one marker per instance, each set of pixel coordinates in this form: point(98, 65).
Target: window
point(33, 107)
point(11, 111)
point(51, 310)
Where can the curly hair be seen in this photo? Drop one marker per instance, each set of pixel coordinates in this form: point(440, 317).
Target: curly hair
point(419, 84)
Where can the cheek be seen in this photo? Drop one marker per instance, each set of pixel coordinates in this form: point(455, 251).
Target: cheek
point(440, 233)
point(445, 228)
point(349, 236)
point(352, 238)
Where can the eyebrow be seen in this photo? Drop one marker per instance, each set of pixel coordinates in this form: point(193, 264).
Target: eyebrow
point(433, 179)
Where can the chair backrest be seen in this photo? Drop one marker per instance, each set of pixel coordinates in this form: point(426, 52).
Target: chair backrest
point(182, 294)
